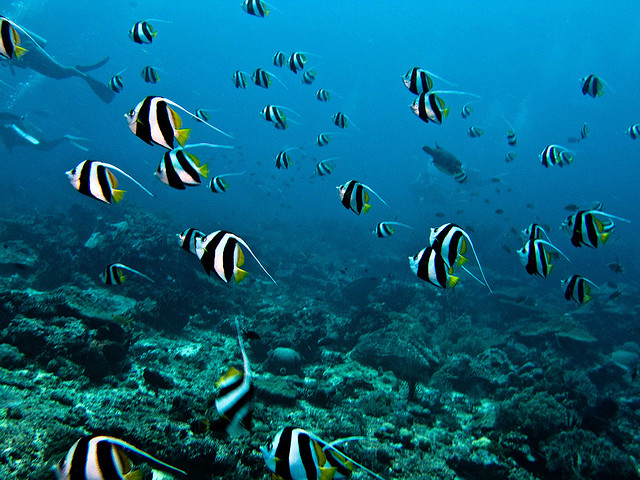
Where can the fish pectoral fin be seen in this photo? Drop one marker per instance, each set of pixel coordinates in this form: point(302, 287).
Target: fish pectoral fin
point(117, 195)
point(134, 475)
point(240, 275)
point(183, 135)
point(327, 473)
point(453, 281)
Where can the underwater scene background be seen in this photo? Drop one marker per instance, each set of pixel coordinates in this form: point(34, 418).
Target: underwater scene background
point(515, 381)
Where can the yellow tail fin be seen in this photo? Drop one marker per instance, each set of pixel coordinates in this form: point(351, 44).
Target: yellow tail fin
point(453, 281)
point(604, 237)
point(240, 275)
point(117, 195)
point(19, 51)
point(183, 135)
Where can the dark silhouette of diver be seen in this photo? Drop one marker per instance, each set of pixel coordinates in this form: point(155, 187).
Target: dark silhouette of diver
point(14, 132)
point(35, 58)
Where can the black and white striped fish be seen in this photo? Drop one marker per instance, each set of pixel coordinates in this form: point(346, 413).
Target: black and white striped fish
point(431, 267)
point(323, 95)
point(536, 258)
point(274, 114)
point(95, 179)
point(219, 185)
point(323, 139)
point(116, 84)
point(279, 59)
point(297, 454)
point(634, 131)
point(262, 78)
point(466, 110)
point(354, 196)
point(190, 239)
point(113, 274)
point(430, 108)
point(417, 81)
point(220, 252)
point(142, 32)
point(325, 167)
point(309, 76)
point(512, 138)
point(450, 241)
point(585, 228)
point(577, 288)
point(340, 120)
point(149, 74)
point(234, 400)
point(296, 61)
point(240, 79)
point(154, 121)
point(180, 169)
point(104, 458)
point(592, 86)
point(510, 156)
point(556, 155)
point(474, 132)
point(257, 8)
point(10, 40)
point(202, 114)
point(385, 229)
point(584, 131)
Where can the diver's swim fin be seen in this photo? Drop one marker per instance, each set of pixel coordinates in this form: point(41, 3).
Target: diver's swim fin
point(88, 68)
point(100, 89)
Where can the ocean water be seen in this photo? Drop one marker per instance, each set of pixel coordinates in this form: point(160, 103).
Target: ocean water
point(525, 60)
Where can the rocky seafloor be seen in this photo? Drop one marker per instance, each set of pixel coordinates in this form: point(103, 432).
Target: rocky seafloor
point(441, 387)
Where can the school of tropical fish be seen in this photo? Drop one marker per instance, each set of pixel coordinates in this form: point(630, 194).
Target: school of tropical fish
point(295, 453)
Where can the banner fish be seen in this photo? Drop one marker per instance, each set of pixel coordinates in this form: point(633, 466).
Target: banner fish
point(577, 288)
point(104, 458)
point(431, 267)
point(585, 228)
point(536, 259)
point(354, 196)
point(113, 275)
point(95, 179)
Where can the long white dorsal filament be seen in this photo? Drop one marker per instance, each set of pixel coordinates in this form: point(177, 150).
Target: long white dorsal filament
point(242, 242)
point(133, 270)
point(113, 167)
point(197, 118)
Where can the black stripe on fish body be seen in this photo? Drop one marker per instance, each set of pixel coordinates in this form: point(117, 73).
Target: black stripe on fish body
point(164, 123)
point(208, 255)
point(322, 140)
point(257, 8)
point(78, 460)
point(357, 198)
point(340, 120)
point(282, 160)
point(279, 59)
point(105, 453)
point(435, 108)
point(283, 450)
point(580, 283)
point(322, 95)
point(591, 228)
point(634, 131)
point(228, 257)
point(149, 74)
point(7, 38)
point(308, 77)
point(305, 449)
point(242, 399)
point(189, 237)
point(116, 84)
point(84, 178)
point(172, 177)
point(587, 86)
point(571, 285)
point(383, 230)
point(531, 265)
point(423, 113)
point(512, 139)
point(261, 78)
point(454, 245)
point(348, 193)
point(437, 264)
point(323, 169)
point(147, 31)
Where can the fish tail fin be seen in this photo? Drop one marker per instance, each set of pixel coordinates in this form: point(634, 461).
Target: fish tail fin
point(366, 208)
point(462, 260)
point(587, 298)
point(240, 275)
point(453, 281)
point(604, 237)
point(327, 473)
point(117, 195)
point(19, 51)
point(204, 170)
point(134, 475)
point(183, 135)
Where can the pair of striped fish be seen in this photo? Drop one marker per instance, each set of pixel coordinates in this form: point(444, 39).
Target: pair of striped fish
point(534, 254)
point(435, 263)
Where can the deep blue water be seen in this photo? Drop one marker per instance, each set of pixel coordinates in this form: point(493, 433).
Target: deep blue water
point(525, 59)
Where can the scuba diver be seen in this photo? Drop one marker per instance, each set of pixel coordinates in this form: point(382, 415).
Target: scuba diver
point(16, 131)
point(35, 58)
